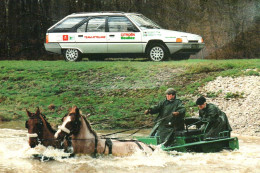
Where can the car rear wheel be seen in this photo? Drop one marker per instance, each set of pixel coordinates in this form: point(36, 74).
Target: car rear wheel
point(72, 55)
point(157, 52)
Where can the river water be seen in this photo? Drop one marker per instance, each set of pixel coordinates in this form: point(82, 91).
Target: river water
point(16, 157)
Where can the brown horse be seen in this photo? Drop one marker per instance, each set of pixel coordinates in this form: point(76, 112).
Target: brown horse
point(85, 140)
point(40, 131)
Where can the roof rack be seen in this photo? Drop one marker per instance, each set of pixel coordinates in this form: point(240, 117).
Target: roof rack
point(100, 12)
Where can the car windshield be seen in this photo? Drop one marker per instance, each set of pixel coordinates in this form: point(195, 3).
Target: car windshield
point(143, 22)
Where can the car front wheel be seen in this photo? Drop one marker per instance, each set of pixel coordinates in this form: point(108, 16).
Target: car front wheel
point(157, 52)
point(72, 55)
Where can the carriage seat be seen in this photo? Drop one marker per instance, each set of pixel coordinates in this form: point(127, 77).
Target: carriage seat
point(190, 132)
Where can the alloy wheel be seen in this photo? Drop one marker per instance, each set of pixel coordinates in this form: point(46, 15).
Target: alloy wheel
point(157, 53)
point(72, 54)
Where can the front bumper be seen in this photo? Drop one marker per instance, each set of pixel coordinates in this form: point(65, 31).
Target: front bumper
point(187, 48)
point(53, 47)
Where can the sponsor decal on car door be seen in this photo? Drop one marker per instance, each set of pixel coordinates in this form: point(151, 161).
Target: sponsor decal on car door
point(122, 37)
point(124, 42)
point(91, 36)
point(92, 42)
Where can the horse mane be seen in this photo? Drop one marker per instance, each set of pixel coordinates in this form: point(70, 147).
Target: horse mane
point(47, 123)
point(89, 126)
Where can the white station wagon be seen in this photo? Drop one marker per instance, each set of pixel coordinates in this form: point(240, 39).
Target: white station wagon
point(118, 34)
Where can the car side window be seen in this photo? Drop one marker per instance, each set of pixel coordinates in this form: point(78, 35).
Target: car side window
point(120, 24)
point(96, 25)
point(82, 28)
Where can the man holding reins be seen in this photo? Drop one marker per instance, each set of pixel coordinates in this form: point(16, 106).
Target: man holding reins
point(171, 116)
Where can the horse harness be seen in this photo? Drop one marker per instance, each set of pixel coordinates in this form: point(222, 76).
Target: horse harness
point(76, 126)
point(109, 144)
point(39, 126)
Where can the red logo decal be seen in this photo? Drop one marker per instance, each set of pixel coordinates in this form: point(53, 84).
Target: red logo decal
point(65, 37)
point(127, 34)
point(95, 37)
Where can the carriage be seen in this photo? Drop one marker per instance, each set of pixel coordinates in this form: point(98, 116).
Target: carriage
point(193, 139)
point(76, 132)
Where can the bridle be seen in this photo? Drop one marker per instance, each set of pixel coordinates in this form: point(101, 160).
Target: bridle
point(75, 127)
point(64, 129)
point(75, 130)
point(39, 132)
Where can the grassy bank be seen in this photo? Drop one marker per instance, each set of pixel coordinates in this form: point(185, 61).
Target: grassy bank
point(119, 91)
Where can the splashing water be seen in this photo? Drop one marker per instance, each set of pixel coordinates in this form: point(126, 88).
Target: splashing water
point(17, 156)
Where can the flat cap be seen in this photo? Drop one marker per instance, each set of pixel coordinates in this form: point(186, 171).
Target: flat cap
point(201, 100)
point(170, 91)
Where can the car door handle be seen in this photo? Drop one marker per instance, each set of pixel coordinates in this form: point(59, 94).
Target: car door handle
point(80, 35)
point(111, 35)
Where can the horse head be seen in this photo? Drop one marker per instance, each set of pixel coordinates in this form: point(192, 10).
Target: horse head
point(70, 124)
point(35, 126)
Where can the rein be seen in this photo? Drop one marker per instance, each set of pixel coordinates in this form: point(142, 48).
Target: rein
point(138, 129)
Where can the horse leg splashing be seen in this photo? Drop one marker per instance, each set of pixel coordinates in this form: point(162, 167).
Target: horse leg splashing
point(85, 139)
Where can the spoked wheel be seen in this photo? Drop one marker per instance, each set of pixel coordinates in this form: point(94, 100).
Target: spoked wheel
point(72, 55)
point(157, 52)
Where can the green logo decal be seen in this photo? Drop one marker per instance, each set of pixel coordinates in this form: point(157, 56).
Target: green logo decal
point(127, 38)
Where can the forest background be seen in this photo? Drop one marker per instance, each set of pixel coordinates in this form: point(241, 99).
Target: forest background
point(230, 28)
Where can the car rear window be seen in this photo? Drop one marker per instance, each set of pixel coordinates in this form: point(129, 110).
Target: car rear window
point(68, 24)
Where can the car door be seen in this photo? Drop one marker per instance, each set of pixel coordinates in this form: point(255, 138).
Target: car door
point(91, 36)
point(123, 36)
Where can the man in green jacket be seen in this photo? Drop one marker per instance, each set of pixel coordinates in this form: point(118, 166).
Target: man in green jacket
point(217, 120)
point(171, 116)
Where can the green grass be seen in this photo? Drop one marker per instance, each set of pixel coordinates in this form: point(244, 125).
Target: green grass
point(119, 91)
point(230, 95)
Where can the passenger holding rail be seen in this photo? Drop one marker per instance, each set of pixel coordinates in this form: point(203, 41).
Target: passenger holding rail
point(171, 116)
point(217, 120)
